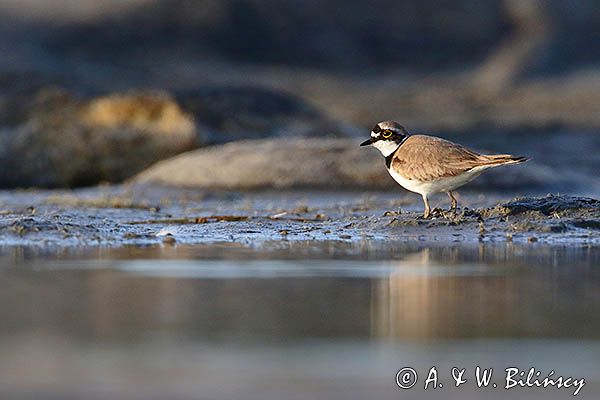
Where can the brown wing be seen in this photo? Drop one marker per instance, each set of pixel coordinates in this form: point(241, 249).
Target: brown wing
point(426, 158)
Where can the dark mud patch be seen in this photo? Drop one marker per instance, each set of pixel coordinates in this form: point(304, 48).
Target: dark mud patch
point(587, 224)
point(547, 206)
point(551, 214)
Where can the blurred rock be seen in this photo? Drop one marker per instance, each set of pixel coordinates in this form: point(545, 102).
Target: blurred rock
point(309, 163)
point(54, 138)
point(281, 163)
point(63, 140)
point(143, 112)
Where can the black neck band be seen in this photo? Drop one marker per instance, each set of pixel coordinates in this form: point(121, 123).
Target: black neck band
point(388, 159)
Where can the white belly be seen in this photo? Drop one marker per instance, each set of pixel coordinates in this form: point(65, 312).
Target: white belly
point(438, 185)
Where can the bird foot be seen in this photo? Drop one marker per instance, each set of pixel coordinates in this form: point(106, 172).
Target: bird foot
point(437, 213)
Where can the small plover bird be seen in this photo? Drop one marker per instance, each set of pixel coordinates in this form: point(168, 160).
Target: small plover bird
point(428, 164)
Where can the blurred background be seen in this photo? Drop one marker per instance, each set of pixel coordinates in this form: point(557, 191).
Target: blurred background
point(118, 283)
point(113, 86)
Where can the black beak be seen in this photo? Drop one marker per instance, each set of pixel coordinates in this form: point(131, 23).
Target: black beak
point(367, 142)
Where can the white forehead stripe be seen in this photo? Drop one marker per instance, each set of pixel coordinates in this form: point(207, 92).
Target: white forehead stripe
point(374, 135)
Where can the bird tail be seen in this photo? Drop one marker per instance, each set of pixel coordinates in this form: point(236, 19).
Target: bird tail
point(502, 159)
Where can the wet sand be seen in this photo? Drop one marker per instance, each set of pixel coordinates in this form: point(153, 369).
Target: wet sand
point(121, 215)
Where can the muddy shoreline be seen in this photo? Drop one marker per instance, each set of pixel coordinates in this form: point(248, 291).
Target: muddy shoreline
point(116, 216)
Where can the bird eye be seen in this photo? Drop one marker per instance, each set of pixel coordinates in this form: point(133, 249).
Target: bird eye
point(387, 134)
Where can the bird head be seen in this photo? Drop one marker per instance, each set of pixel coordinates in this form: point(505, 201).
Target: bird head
point(386, 136)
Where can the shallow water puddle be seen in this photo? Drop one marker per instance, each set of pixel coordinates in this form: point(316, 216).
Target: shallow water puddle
point(292, 320)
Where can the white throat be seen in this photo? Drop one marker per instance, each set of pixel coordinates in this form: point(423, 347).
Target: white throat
point(386, 147)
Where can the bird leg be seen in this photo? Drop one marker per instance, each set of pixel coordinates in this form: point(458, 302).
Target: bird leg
point(427, 208)
point(453, 202)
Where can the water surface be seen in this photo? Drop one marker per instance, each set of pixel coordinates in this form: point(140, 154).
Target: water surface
point(292, 320)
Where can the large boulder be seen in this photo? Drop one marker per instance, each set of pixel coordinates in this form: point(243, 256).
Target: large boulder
point(280, 163)
point(314, 163)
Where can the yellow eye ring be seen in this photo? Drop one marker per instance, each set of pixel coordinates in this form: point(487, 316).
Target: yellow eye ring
point(387, 134)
